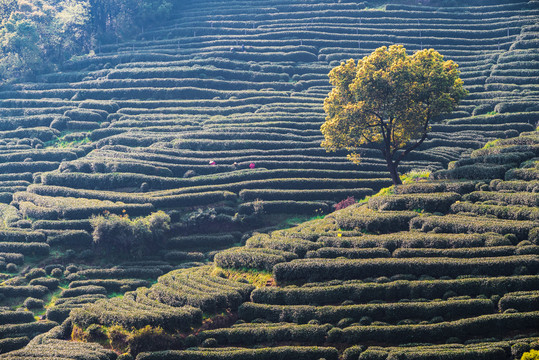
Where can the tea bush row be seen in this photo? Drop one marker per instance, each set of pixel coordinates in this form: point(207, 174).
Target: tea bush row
point(495, 325)
point(359, 292)
point(388, 312)
point(431, 202)
point(133, 314)
point(269, 353)
point(252, 258)
point(500, 211)
point(465, 224)
point(415, 239)
point(326, 269)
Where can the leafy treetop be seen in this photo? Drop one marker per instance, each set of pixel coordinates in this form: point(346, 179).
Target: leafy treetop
point(389, 99)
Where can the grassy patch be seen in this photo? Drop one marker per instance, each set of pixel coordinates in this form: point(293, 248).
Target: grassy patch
point(258, 278)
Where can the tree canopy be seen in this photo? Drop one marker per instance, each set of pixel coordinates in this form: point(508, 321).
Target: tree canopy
point(37, 35)
point(389, 99)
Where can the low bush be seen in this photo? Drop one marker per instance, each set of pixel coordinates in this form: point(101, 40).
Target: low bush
point(359, 292)
point(83, 290)
point(465, 224)
point(201, 241)
point(134, 237)
point(473, 172)
point(271, 353)
point(373, 221)
point(521, 301)
point(252, 258)
point(132, 314)
point(259, 334)
point(285, 207)
point(486, 325)
point(431, 202)
point(71, 239)
point(326, 269)
point(389, 312)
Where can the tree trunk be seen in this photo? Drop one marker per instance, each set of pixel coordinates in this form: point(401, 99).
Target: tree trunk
point(392, 167)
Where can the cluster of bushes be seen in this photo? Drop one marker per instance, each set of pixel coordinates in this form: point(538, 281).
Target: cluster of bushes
point(63, 306)
point(478, 171)
point(373, 221)
point(500, 211)
point(252, 258)
point(332, 253)
point(201, 289)
point(478, 252)
point(29, 329)
point(516, 185)
point(30, 249)
point(134, 314)
point(150, 272)
point(168, 303)
point(431, 202)
point(201, 241)
point(127, 236)
point(289, 244)
point(514, 198)
point(521, 301)
point(64, 349)
point(52, 208)
point(285, 207)
point(303, 195)
point(485, 352)
point(465, 224)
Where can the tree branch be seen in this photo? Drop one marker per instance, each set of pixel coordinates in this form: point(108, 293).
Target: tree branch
point(413, 147)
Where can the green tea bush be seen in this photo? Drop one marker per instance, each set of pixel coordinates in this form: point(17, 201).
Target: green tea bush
point(269, 353)
point(359, 292)
point(252, 258)
point(390, 312)
point(134, 237)
point(373, 221)
point(465, 224)
point(431, 202)
point(485, 325)
point(327, 269)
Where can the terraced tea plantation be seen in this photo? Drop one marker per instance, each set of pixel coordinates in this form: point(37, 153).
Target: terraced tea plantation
point(443, 268)
point(215, 119)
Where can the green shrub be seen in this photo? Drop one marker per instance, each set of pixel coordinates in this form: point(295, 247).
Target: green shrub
point(431, 202)
point(126, 236)
point(360, 292)
point(253, 258)
point(281, 353)
point(326, 269)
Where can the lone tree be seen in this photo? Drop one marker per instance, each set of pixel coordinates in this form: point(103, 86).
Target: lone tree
point(389, 99)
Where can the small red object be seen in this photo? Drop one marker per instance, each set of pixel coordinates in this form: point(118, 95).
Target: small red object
point(212, 162)
point(252, 165)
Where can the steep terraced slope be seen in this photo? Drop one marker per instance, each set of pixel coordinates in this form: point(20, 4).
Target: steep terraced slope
point(243, 83)
point(434, 269)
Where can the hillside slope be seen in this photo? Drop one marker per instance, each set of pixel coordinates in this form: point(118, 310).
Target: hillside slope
point(435, 269)
point(133, 128)
point(244, 83)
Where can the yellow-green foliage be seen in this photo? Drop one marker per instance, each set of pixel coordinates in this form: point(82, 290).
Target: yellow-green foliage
point(532, 355)
point(128, 235)
point(258, 278)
